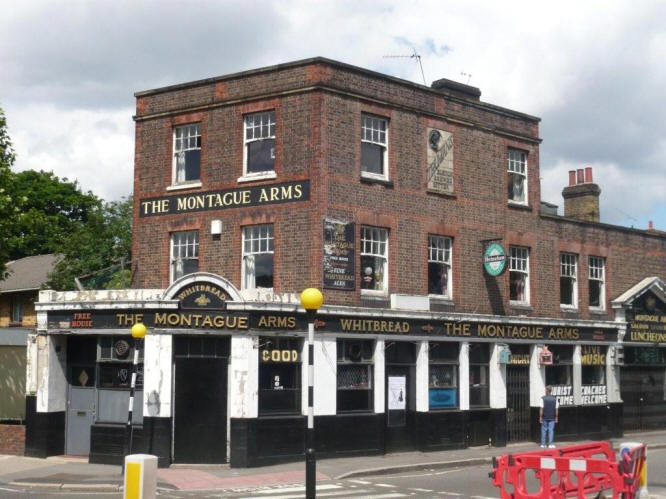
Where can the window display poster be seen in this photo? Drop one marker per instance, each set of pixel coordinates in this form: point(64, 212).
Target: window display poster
point(442, 397)
point(397, 394)
point(339, 250)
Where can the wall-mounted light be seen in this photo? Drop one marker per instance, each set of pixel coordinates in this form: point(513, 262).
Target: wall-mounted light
point(216, 227)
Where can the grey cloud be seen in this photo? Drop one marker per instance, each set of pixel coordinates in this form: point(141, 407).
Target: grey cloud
point(88, 54)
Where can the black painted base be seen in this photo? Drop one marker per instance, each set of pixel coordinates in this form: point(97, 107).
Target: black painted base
point(44, 431)
point(107, 441)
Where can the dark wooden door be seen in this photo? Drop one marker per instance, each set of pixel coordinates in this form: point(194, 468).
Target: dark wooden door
point(200, 415)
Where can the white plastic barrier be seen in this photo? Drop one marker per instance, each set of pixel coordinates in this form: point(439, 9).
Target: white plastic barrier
point(140, 476)
point(642, 490)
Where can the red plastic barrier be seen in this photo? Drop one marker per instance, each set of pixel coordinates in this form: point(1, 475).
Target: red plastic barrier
point(593, 465)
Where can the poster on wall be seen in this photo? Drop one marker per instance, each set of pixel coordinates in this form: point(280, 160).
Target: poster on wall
point(564, 394)
point(339, 250)
point(440, 161)
point(396, 393)
point(593, 395)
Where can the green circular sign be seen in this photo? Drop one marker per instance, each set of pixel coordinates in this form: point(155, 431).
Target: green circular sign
point(494, 259)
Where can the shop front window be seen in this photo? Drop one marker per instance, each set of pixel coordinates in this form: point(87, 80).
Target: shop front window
point(115, 362)
point(593, 361)
point(279, 375)
point(560, 372)
point(443, 375)
point(355, 375)
point(479, 358)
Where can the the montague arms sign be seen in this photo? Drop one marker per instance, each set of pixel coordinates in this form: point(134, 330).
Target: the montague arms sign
point(285, 192)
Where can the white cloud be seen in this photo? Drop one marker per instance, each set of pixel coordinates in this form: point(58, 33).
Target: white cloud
point(96, 148)
point(593, 71)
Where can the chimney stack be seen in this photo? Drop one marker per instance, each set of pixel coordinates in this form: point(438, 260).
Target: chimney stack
point(581, 196)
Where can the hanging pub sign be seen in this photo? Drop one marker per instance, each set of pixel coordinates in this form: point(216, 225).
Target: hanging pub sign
point(339, 251)
point(545, 357)
point(494, 259)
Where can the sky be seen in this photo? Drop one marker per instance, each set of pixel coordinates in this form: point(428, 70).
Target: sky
point(593, 71)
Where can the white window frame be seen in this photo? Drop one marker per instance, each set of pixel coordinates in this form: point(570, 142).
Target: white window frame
point(18, 309)
point(519, 261)
point(517, 165)
point(371, 133)
point(597, 272)
point(262, 237)
point(191, 132)
point(569, 269)
point(440, 249)
point(375, 243)
point(271, 125)
point(184, 246)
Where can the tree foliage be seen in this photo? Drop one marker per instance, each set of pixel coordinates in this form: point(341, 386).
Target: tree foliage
point(7, 209)
point(41, 213)
point(50, 210)
point(98, 250)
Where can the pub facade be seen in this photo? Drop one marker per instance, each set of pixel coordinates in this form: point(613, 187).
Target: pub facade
point(452, 294)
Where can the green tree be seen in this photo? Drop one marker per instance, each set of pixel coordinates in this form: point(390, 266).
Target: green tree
point(97, 251)
point(50, 210)
point(7, 207)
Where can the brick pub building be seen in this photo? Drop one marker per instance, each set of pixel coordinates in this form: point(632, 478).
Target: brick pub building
point(453, 294)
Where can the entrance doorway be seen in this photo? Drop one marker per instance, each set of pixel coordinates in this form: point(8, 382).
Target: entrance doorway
point(399, 399)
point(81, 393)
point(200, 399)
point(518, 403)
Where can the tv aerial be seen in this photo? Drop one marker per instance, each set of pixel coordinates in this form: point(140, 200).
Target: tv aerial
point(415, 55)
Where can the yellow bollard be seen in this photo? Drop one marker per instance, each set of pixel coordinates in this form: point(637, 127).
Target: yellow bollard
point(140, 477)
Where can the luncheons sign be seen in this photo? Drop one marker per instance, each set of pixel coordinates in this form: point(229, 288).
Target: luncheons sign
point(286, 192)
point(494, 259)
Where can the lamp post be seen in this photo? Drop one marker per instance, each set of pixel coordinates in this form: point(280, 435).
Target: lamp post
point(138, 332)
point(311, 300)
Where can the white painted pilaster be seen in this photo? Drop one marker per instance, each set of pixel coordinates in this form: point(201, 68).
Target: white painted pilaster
point(464, 376)
point(422, 364)
point(497, 379)
point(577, 375)
point(325, 376)
point(612, 377)
point(537, 377)
point(380, 373)
point(244, 377)
point(31, 375)
point(157, 375)
point(52, 382)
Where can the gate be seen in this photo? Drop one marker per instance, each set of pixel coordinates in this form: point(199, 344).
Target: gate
point(642, 391)
point(518, 403)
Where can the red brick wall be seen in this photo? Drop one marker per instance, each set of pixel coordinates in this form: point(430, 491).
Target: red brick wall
point(318, 111)
point(12, 439)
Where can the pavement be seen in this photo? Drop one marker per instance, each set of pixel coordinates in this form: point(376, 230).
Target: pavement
point(64, 473)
